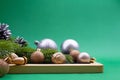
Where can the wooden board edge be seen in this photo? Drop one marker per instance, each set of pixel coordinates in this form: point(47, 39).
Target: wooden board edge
point(56, 68)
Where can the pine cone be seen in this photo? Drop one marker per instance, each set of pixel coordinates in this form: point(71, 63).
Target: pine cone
point(21, 41)
point(4, 31)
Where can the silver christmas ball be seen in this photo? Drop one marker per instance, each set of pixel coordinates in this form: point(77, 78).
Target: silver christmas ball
point(46, 44)
point(69, 45)
point(84, 57)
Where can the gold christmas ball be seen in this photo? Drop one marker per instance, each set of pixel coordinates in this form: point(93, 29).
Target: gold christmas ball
point(4, 68)
point(74, 54)
point(37, 56)
point(58, 58)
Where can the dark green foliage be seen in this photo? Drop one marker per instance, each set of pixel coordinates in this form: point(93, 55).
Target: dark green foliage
point(11, 39)
point(6, 47)
point(25, 51)
point(69, 59)
point(48, 54)
point(9, 46)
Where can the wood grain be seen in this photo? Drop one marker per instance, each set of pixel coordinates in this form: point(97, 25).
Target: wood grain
point(56, 68)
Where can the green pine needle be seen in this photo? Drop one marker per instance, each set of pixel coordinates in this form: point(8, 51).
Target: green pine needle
point(7, 47)
point(69, 59)
point(25, 51)
point(48, 54)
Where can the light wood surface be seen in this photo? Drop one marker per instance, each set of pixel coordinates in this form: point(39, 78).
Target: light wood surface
point(56, 68)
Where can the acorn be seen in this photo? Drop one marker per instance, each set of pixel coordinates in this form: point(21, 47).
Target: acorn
point(10, 58)
point(37, 56)
point(13, 56)
point(92, 60)
point(20, 60)
point(4, 68)
point(58, 58)
point(74, 54)
point(83, 57)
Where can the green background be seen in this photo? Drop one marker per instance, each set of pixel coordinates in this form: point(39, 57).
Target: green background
point(95, 24)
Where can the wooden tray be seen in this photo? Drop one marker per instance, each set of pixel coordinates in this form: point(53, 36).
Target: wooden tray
point(57, 68)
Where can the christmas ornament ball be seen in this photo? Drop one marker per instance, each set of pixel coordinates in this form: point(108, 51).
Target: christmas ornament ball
point(37, 56)
point(4, 68)
point(74, 54)
point(84, 57)
point(69, 45)
point(46, 44)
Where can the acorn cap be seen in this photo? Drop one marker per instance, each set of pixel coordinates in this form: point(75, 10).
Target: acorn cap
point(8, 60)
point(25, 60)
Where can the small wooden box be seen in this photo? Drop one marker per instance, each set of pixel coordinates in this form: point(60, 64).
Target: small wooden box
point(56, 68)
